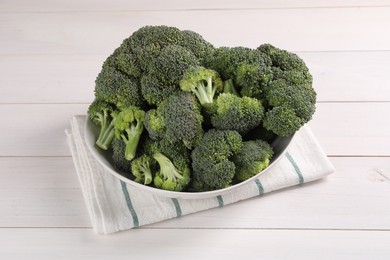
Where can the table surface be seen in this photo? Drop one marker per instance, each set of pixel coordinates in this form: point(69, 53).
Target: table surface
point(50, 54)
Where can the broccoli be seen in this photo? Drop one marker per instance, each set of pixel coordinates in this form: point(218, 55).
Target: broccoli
point(283, 59)
point(226, 60)
point(211, 160)
point(253, 78)
point(254, 157)
point(204, 83)
point(165, 72)
point(173, 162)
point(155, 123)
point(177, 119)
point(154, 91)
point(228, 87)
point(148, 41)
point(118, 156)
point(282, 121)
point(202, 49)
point(237, 113)
point(142, 169)
point(103, 114)
point(129, 126)
point(290, 95)
point(115, 87)
point(299, 98)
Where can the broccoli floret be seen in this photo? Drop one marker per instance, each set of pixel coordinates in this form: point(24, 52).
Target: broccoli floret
point(300, 98)
point(147, 42)
point(282, 121)
point(129, 126)
point(115, 87)
point(173, 162)
point(103, 114)
point(211, 160)
point(254, 157)
point(142, 169)
point(155, 123)
point(202, 49)
point(226, 60)
point(118, 156)
point(183, 119)
point(290, 95)
point(204, 83)
point(165, 72)
point(253, 78)
point(154, 91)
point(286, 61)
point(237, 113)
point(170, 177)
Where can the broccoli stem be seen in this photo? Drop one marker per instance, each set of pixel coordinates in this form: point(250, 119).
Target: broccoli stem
point(228, 87)
point(132, 140)
point(107, 131)
point(147, 173)
point(167, 169)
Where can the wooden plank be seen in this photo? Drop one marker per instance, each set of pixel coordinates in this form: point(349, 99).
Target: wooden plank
point(353, 128)
point(36, 130)
point(120, 5)
point(342, 128)
point(43, 192)
point(101, 33)
point(193, 244)
point(338, 76)
point(48, 78)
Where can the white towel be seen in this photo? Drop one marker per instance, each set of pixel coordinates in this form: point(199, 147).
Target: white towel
point(113, 205)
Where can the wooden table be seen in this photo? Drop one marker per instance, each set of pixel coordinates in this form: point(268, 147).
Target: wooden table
point(50, 54)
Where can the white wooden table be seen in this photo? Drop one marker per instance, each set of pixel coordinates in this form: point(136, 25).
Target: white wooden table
point(50, 54)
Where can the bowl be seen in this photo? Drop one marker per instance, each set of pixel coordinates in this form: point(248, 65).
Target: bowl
point(280, 145)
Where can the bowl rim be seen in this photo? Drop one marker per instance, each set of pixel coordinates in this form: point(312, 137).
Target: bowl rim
point(99, 157)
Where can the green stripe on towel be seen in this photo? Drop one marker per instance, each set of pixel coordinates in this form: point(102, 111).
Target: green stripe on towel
point(129, 204)
point(297, 170)
point(177, 207)
point(259, 186)
point(220, 201)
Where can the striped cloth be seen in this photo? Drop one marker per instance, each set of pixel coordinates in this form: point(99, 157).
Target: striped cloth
point(113, 205)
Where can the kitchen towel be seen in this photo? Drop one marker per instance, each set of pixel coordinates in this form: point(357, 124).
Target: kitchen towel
point(113, 205)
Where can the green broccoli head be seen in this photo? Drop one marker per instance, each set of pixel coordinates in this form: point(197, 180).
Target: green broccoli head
point(115, 87)
point(282, 120)
point(173, 164)
point(290, 94)
point(143, 169)
point(147, 42)
point(194, 42)
point(170, 176)
point(118, 156)
point(155, 91)
point(254, 157)
point(237, 113)
point(204, 83)
point(103, 114)
point(169, 66)
point(183, 119)
point(129, 127)
point(299, 98)
point(285, 60)
point(165, 72)
point(253, 78)
point(155, 123)
point(211, 160)
point(226, 60)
